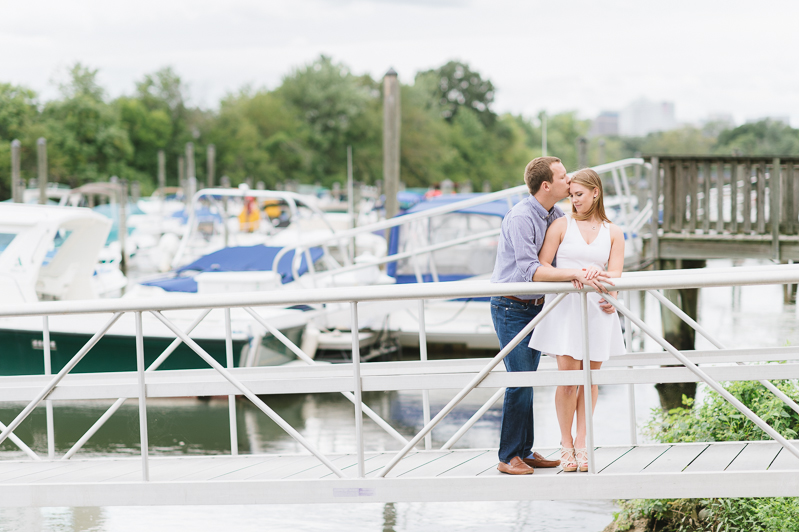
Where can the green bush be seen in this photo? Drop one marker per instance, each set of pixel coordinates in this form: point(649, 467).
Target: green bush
point(715, 419)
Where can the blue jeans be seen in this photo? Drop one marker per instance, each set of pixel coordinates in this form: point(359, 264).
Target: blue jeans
point(516, 434)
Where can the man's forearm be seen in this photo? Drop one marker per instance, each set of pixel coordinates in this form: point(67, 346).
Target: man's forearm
point(550, 273)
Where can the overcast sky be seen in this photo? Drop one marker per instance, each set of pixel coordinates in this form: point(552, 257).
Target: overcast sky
point(707, 57)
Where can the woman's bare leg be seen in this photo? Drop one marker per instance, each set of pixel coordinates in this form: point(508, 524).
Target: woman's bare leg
point(566, 401)
point(579, 440)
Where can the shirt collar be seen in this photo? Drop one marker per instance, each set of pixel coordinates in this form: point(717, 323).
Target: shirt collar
point(540, 210)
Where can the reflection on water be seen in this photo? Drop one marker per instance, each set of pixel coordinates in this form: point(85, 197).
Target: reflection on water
point(192, 426)
point(527, 516)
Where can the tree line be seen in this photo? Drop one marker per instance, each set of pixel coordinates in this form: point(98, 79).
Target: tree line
point(299, 131)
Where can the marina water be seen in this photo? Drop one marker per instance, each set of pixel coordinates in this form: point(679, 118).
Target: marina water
point(192, 426)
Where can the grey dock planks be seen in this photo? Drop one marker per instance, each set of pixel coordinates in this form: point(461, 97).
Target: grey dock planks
point(676, 458)
point(756, 456)
point(654, 471)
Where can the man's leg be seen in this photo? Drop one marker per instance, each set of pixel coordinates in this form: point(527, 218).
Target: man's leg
point(516, 433)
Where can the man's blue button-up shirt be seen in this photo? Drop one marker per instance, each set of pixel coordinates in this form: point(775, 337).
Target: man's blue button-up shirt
point(523, 230)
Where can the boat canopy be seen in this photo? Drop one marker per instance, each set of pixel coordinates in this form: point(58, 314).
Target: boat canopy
point(448, 226)
point(234, 259)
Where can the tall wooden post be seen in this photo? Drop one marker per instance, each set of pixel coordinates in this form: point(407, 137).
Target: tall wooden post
point(391, 141)
point(582, 152)
point(190, 169)
point(41, 163)
point(211, 161)
point(122, 233)
point(182, 183)
point(161, 171)
point(16, 190)
point(602, 157)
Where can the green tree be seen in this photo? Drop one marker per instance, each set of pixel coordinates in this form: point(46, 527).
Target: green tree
point(86, 140)
point(766, 137)
point(165, 92)
point(18, 112)
point(455, 86)
point(331, 102)
point(257, 135)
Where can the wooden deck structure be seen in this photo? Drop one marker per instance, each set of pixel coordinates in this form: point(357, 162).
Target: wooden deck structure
point(724, 207)
point(734, 469)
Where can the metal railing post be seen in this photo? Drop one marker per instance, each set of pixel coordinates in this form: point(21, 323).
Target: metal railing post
point(754, 418)
point(121, 401)
point(258, 402)
point(477, 379)
point(428, 438)
point(311, 362)
point(588, 394)
point(145, 466)
point(48, 404)
point(701, 330)
point(231, 399)
point(628, 339)
point(356, 373)
point(472, 420)
point(53, 383)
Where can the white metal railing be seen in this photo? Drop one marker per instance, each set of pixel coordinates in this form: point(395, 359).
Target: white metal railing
point(353, 378)
point(632, 223)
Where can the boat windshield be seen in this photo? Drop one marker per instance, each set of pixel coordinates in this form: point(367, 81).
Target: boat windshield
point(60, 237)
point(5, 241)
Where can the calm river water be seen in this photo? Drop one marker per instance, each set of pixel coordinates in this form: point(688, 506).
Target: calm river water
point(191, 426)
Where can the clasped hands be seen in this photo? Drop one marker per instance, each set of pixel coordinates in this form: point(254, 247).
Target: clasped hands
point(595, 276)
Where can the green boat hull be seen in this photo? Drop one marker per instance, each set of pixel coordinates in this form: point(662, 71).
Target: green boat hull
point(22, 352)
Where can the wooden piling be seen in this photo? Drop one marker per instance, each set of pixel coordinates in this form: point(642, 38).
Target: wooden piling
point(161, 171)
point(190, 168)
point(16, 190)
point(41, 163)
point(211, 163)
point(582, 152)
point(678, 333)
point(391, 141)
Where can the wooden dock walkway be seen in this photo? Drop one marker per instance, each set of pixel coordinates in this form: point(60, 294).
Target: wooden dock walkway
point(739, 469)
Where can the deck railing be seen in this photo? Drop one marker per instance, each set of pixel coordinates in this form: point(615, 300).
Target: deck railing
point(353, 378)
point(728, 195)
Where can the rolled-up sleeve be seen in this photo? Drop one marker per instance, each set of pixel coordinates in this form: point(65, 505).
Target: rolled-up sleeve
point(522, 233)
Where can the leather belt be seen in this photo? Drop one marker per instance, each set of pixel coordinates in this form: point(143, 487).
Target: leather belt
point(539, 301)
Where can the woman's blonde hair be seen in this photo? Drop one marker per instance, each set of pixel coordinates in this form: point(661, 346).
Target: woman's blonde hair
point(590, 180)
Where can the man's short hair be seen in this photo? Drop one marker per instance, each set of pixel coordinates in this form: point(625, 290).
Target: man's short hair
point(539, 170)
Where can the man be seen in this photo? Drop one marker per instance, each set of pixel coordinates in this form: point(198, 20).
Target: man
point(522, 235)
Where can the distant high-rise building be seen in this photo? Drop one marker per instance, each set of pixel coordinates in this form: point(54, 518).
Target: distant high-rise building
point(606, 124)
point(642, 117)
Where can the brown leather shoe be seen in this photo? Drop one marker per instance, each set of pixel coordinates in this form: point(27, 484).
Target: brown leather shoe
point(515, 467)
point(539, 461)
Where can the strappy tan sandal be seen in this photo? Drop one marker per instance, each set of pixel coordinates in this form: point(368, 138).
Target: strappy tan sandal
point(567, 460)
point(582, 459)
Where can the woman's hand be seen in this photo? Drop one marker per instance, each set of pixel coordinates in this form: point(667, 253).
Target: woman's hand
point(599, 277)
point(577, 284)
point(592, 272)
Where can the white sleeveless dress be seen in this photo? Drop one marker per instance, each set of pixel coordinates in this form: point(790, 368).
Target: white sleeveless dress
point(560, 332)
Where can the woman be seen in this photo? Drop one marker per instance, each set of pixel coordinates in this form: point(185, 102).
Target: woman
point(586, 240)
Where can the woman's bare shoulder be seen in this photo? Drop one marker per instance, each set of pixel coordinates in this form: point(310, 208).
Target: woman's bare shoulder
point(559, 224)
point(615, 230)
